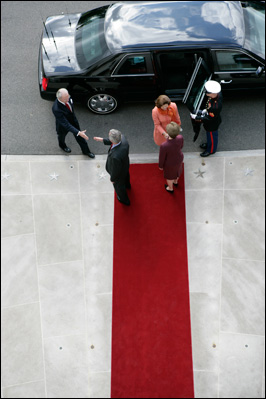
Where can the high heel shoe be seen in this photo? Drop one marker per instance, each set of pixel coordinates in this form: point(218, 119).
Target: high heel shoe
point(169, 191)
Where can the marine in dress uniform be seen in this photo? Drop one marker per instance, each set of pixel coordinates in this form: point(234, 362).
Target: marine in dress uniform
point(210, 117)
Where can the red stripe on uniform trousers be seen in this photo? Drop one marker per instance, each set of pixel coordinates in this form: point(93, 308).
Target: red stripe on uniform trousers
point(212, 142)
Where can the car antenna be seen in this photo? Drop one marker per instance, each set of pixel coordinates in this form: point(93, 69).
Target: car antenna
point(46, 53)
point(54, 40)
point(69, 22)
point(45, 27)
point(48, 37)
point(68, 58)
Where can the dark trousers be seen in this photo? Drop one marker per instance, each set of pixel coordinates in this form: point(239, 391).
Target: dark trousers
point(120, 187)
point(212, 141)
point(80, 140)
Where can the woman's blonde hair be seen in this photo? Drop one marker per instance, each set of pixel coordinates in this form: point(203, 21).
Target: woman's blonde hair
point(173, 129)
point(161, 100)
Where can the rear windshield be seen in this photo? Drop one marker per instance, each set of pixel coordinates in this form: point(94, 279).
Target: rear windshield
point(90, 40)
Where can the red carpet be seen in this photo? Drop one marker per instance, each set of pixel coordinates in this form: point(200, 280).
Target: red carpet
point(151, 339)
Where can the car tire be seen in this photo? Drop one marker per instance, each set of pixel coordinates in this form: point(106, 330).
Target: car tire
point(102, 103)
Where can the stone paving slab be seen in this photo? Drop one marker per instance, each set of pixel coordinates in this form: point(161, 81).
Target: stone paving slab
point(57, 251)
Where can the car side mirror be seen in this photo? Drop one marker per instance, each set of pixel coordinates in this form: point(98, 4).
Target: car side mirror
point(259, 71)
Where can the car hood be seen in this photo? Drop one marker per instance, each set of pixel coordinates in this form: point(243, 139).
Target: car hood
point(58, 44)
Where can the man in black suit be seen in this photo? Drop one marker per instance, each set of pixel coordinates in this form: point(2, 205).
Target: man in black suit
point(66, 121)
point(117, 164)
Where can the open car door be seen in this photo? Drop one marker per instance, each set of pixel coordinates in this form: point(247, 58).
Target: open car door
point(195, 92)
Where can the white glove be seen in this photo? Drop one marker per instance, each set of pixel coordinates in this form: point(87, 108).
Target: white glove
point(193, 116)
point(204, 112)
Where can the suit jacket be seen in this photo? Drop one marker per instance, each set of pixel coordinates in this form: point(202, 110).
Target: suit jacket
point(65, 120)
point(117, 164)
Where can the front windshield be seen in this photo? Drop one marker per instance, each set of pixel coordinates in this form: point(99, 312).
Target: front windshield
point(254, 17)
point(90, 40)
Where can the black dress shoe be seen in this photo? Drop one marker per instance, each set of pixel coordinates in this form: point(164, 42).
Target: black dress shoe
point(175, 184)
point(203, 146)
point(91, 155)
point(206, 154)
point(66, 149)
point(169, 191)
point(122, 202)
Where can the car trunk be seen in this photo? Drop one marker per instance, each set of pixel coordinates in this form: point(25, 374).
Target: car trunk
point(58, 44)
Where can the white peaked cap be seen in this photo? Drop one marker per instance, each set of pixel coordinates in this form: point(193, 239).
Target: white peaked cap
point(212, 86)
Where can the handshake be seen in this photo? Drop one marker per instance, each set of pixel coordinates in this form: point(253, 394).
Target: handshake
point(83, 134)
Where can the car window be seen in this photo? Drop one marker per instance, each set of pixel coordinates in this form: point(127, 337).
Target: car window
point(132, 65)
point(176, 67)
point(235, 61)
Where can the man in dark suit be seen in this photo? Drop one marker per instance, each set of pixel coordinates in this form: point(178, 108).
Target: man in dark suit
point(117, 164)
point(66, 121)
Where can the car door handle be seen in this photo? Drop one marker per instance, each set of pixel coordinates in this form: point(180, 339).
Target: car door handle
point(223, 81)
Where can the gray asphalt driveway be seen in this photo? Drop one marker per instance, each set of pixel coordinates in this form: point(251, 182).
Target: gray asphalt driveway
point(28, 125)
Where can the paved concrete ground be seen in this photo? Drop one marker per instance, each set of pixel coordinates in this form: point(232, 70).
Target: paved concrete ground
point(57, 226)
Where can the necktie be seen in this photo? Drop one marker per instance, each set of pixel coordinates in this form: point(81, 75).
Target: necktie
point(68, 106)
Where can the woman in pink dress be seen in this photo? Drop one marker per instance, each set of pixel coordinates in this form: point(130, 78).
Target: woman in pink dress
point(163, 113)
point(171, 157)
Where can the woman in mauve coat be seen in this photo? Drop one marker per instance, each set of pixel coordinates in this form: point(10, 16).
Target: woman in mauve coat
point(171, 157)
point(163, 113)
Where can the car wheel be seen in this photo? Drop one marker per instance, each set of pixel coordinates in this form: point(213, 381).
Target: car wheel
point(102, 103)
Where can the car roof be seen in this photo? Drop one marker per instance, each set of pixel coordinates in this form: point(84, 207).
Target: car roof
point(153, 24)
